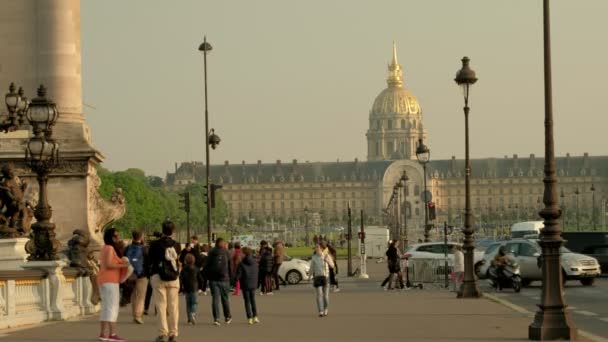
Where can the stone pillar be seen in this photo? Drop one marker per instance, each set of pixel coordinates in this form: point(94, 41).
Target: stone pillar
point(12, 253)
point(55, 279)
point(84, 293)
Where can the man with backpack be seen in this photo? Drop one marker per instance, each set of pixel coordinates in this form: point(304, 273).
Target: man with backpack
point(217, 271)
point(137, 253)
point(164, 276)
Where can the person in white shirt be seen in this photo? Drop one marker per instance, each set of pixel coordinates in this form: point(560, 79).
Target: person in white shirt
point(458, 270)
point(319, 268)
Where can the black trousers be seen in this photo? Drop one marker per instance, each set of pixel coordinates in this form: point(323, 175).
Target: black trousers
point(332, 277)
point(148, 297)
point(275, 275)
point(250, 307)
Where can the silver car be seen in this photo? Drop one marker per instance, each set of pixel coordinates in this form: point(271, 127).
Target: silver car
point(527, 252)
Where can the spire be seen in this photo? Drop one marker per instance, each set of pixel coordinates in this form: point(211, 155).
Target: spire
point(395, 74)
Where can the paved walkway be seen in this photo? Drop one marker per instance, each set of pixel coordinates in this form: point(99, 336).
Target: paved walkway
point(360, 312)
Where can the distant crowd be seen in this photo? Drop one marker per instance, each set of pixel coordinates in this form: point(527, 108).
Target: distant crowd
point(150, 277)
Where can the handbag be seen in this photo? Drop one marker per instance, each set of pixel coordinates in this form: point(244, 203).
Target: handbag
point(320, 281)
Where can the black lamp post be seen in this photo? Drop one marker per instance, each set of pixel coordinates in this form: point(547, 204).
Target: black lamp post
point(552, 321)
point(307, 236)
point(211, 139)
point(42, 156)
point(397, 194)
point(593, 206)
point(424, 156)
point(578, 227)
point(562, 196)
point(465, 77)
point(404, 178)
point(17, 105)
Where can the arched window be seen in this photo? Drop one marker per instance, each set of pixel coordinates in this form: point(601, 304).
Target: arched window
point(402, 124)
point(389, 124)
point(414, 124)
point(417, 211)
point(416, 190)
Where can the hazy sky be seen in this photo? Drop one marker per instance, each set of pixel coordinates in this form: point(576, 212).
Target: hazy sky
point(296, 79)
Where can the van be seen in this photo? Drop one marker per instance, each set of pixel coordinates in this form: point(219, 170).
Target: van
point(526, 229)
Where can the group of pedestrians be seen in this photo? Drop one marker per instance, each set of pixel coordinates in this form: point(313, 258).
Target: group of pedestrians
point(161, 270)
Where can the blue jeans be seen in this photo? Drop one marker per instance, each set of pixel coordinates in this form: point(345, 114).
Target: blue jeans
point(250, 307)
point(322, 297)
point(220, 290)
point(191, 304)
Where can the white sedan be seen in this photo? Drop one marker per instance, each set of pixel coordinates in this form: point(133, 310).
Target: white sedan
point(294, 270)
point(436, 250)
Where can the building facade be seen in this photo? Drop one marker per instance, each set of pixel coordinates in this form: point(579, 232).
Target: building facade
point(503, 190)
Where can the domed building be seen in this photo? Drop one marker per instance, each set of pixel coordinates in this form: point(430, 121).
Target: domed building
point(395, 120)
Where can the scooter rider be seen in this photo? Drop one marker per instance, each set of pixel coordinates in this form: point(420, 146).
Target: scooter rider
point(502, 259)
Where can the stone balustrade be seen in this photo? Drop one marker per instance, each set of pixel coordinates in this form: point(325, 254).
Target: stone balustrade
point(43, 291)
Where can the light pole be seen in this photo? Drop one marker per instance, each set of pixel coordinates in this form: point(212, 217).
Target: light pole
point(306, 230)
point(397, 194)
point(211, 139)
point(562, 196)
point(578, 227)
point(404, 178)
point(42, 154)
point(552, 321)
point(593, 206)
point(465, 77)
point(424, 156)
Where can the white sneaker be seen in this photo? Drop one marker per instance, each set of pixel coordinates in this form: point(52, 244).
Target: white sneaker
point(337, 289)
point(325, 312)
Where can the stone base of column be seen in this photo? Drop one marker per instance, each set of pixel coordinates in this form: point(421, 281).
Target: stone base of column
point(552, 323)
point(12, 253)
point(54, 291)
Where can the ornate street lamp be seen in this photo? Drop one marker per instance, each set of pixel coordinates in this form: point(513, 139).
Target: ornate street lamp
point(211, 139)
point(424, 156)
point(17, 105)
point(404, 178)
point(41, 155)
point(578, 227)
point(552, 321)
point(465, 77)
point(397, 195)
point(563, 202)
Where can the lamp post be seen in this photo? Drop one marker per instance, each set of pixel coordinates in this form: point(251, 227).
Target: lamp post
point(562, 196)
point(465, 77)
point(211, 139)
point(593, 206)
point(41, 155)
point(552, 321)
point(424, 156)
point(17, 105)
point(397, 194)
point(306, 231)
point(578, 227)
point(404, 178)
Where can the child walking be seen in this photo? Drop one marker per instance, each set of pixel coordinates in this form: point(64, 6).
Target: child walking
point(247, 273)
point(190, 280)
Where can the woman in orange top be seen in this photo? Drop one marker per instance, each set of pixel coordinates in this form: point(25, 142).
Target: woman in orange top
point(108, 279)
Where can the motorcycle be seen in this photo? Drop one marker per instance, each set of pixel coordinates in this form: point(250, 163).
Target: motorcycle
point(507, 276)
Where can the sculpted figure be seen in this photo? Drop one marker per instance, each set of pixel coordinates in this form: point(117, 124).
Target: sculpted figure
point(78, 249)
point(12, 203)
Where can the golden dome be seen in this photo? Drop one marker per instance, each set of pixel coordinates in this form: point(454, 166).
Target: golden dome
point(395, 99)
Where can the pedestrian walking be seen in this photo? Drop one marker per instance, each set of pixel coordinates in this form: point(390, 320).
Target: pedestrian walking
point(236, 260)
point(190, 279)
point(458, 270)
point(164, 276)
point(247, 274)
point(191, 248)
point(319, 269)
point(277, 259)
point(217, 271)
point(333, 271)
point(108, 280)
point(266, 268)
point(394, 268)
point(202, 261)
point(137, 253)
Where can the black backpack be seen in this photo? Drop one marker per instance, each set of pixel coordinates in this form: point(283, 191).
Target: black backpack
point(213, 269)
point(166, 272)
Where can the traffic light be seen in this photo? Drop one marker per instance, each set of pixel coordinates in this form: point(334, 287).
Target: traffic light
point(361, 235)
point(214, 187)
point(432, 212)
point(185, 201)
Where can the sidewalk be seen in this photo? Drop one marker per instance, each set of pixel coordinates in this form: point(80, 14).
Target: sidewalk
point(360, 312)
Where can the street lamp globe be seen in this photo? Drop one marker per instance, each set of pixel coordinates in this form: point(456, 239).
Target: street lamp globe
point(422, 152)
point(465, 77)
point(205, 47)
point(42, 114)
point(12, 98)
point(214, 139)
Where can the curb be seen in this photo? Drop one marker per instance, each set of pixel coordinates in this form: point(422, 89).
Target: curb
point(521, 310)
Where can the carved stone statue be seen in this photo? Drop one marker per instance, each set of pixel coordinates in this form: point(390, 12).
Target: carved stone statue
point(103, 211)
point(15, 214)
point(78, 250)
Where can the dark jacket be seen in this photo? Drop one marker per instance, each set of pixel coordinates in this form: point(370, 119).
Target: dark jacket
point(217, 267)
point(196, 251)
point(190, 279)
point(156, 253)
point(247, 273)
point(266, 260)
point(392, 256)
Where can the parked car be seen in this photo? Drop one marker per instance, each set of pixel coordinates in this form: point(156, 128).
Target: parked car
point(574, 266)
point(436, 250)
point(294, 270)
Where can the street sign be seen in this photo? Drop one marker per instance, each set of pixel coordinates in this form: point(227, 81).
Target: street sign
point(426, 196)
point(363, 249)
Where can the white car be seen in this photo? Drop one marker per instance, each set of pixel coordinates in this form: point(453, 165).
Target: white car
point(436, 250)
point(574, 266)
point(294, 270)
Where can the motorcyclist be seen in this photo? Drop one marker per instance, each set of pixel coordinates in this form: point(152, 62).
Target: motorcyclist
point(501, 260)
